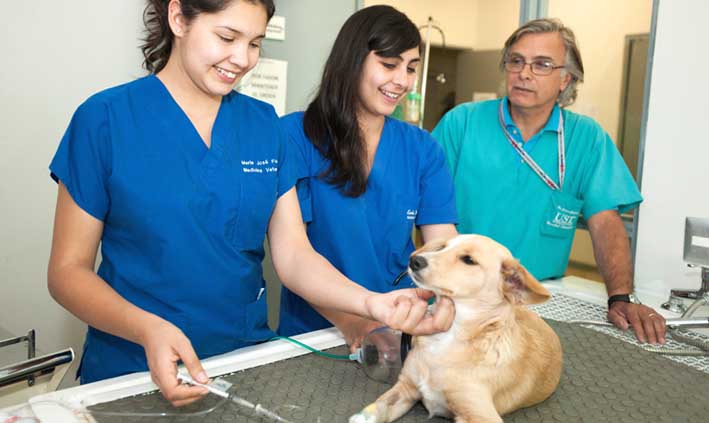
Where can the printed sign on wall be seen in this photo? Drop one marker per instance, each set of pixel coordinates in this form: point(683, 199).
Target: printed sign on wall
point(276, 28)
point(267, 82)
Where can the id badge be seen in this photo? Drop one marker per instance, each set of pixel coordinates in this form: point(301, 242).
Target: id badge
point(561, 216)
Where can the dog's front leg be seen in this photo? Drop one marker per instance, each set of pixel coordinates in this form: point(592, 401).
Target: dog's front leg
point(473, 406)
point(393, 404)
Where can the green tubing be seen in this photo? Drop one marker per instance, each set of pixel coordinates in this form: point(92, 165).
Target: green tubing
point(309, 348)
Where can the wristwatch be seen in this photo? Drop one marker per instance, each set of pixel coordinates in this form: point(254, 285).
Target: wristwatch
point(625, 298)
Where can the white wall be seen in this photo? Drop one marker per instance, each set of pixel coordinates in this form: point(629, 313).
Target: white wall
point(675, 172)
point(54, 55)
point(477, 24)
point(496, 20)
point(602, 50)
point(450, 15)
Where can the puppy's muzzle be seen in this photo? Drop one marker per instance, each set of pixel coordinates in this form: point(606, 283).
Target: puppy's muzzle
point(417, 263)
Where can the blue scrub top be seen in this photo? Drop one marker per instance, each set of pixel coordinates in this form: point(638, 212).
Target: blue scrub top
point(500, 196)
point(368, 238)
point(184, 224)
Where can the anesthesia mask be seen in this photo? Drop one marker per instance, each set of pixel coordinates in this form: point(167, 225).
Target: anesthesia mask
point(382, 354)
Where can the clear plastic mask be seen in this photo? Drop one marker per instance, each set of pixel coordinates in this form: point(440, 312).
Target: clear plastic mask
point(382, 354)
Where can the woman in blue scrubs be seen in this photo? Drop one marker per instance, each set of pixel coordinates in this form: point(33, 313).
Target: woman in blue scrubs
point(178, 179)
point(364, 179)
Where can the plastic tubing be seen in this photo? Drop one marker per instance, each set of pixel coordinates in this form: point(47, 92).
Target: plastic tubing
point(84, 410)
point(256, 408)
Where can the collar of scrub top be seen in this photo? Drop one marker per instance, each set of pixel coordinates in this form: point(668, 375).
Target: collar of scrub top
point(557, 118)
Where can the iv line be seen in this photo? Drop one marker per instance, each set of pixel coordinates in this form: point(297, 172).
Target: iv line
point(316, 351)
point(256, 408)
point(84, 410)
point(225, 396)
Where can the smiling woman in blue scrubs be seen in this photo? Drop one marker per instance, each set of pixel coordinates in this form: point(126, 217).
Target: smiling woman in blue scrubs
point(364, 179)
point(179, 179)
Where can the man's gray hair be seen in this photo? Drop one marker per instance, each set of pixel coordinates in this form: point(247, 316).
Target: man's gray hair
point(573, 65)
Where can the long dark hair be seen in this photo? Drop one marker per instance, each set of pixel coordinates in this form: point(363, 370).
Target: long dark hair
point(157, 44)
point(330, 120)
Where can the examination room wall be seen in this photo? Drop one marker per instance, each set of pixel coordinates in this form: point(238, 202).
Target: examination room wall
point(602, 51)
point(476, 24)
point(675, 171)
point(54, 55)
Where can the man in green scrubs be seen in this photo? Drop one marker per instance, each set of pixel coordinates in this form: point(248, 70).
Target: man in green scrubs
point(525, 169)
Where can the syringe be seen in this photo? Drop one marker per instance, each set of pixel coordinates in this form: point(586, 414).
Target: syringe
point(220, 387)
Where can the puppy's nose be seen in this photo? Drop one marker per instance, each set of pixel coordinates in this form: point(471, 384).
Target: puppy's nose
point(417, 263)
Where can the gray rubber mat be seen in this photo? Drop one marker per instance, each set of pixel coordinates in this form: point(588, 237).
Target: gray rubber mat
point(604, 379)
point(564, 308)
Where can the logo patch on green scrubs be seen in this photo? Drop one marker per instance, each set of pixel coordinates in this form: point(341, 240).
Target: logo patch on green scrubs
point(562, 215)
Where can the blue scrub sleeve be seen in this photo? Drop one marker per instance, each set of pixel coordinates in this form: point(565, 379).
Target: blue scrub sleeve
point(300, 147)
point(449, 134)
point(83, 160)
point(436, 187)
point(305, 199)
point(286, 172)
point(608, 184)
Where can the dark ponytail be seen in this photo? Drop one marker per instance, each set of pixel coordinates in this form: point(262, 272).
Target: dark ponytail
point(157, 44)
point(330, 121)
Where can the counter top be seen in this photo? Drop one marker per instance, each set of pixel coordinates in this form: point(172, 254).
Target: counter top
point(46, 406)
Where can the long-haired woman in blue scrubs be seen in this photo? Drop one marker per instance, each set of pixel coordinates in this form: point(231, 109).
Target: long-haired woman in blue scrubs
point(178, 179)
point(364, 179)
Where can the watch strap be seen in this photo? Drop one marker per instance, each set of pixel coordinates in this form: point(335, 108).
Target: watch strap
point(624, 298)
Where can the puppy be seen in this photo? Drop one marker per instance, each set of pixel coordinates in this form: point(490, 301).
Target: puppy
point(496, 358)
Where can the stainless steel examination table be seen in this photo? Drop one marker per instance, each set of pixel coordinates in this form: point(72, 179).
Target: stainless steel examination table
point(606, 377)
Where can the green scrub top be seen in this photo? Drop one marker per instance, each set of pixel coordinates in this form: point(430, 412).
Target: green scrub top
point(500, 196)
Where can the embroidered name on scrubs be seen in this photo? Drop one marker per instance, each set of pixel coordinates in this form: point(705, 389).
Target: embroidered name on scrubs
point(260, 166)
point(411, 214)
point(564, 218)
point(564, 209)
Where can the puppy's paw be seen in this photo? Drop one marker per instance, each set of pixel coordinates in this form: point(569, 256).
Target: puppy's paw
point(361, 418)
point(368, 415)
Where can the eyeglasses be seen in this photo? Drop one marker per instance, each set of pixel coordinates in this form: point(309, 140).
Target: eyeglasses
point(539, 67)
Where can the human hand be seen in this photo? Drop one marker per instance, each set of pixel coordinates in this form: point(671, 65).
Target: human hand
point(355, 329)
point(646, 323)
point(405, 310)
point(165, 345)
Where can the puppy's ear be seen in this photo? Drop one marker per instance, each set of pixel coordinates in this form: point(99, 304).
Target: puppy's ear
point(519, 286)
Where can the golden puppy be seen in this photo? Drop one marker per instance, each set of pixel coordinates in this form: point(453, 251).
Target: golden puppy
point(497, 357)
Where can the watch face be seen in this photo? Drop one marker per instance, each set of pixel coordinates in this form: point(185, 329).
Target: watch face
point(633, 299)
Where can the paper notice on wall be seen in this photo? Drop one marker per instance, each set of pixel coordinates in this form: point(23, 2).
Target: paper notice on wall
point(267, 82)
point(276, 28)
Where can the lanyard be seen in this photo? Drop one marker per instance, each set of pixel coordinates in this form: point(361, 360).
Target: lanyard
point(530, 162)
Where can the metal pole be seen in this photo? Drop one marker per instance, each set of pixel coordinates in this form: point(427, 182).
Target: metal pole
point(424, 75)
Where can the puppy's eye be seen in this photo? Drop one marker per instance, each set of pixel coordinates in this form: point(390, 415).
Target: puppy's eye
point(468, 260)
